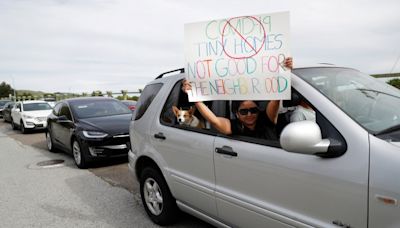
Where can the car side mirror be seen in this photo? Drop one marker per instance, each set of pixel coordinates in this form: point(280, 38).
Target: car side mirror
point(17, 109)
point(63, 119)
point(304, 137)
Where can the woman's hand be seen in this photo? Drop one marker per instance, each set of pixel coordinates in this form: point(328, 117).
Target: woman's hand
point(288, 63)
point(186, 86)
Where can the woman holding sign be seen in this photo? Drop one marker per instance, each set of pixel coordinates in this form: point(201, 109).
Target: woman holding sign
point(250, 121)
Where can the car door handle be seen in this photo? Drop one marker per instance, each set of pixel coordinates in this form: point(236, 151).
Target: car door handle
point(159, 135)
point(226, 150)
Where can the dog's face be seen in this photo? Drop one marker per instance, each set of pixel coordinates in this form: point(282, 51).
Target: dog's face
point(183, 116)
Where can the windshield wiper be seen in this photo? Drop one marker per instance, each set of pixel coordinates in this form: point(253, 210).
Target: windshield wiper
point(377, 91)
point(388, 130)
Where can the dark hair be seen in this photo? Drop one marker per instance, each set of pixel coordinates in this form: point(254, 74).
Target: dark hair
point(235, 105)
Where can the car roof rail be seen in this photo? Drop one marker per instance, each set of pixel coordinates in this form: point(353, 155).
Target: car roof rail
point(181, 70)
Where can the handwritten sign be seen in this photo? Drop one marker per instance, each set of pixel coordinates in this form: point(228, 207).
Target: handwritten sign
point(239, 58)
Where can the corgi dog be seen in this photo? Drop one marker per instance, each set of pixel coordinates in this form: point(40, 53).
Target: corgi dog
point(187, 117)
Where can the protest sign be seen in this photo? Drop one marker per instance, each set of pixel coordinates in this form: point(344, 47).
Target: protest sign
point(239, 58)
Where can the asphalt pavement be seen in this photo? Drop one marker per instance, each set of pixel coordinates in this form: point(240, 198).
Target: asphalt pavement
point(62, 195)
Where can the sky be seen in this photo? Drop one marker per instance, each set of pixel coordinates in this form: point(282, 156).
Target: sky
point(113, 45)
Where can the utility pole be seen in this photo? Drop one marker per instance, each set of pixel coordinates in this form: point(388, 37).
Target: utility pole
point(15, 95)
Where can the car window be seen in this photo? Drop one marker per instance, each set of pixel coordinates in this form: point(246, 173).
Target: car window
point(88, 108)
point(145, 99)
point(266, 134)
point(9, 105)
point(185, 115)
point(64, 111)
point(56, 109)
point(36, 107)
point(328, 131)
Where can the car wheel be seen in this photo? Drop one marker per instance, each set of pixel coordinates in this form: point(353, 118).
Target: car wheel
point(78, 153)
point(23, 129)
point(157, 199)
point(14, 127)
point(49, 141)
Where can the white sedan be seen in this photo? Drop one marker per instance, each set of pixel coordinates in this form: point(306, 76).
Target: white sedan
point(29, 115)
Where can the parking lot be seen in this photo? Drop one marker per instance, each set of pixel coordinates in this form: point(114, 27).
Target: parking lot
point(121, 197)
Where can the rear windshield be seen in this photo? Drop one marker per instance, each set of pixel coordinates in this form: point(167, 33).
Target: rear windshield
point(96, 108)
point(2, 103)
point(36, 107)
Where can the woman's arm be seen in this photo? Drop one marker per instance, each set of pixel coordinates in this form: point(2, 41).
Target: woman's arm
point(273, 106)
point(272, 111)
point(222, 124)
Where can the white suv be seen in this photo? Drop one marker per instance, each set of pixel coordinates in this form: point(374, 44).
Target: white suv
point(29, 115)
point(340, 171)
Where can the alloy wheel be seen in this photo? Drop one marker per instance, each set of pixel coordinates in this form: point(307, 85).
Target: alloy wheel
point(49, 141)
point(76, 150)
point(153, 196)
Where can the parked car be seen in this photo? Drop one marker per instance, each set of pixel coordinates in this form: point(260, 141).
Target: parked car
point(89, 129)
point(7, 111)
point(341, 170)
point(2, 105)
point(30, 115)
point(51, 103)
point(130, 104)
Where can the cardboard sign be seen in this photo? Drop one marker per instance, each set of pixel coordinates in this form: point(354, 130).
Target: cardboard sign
point(239, 58)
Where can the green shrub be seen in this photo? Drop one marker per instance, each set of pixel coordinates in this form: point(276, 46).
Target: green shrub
point(394, 82)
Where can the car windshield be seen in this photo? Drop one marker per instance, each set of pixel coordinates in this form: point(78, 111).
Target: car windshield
point(96, 108)
point(36, 106)
point(371, 103)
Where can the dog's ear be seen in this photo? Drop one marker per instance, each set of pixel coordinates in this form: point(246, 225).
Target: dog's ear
point(192, 110)
point(175, 110)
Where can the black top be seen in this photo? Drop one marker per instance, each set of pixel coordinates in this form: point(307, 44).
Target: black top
point(264, 129)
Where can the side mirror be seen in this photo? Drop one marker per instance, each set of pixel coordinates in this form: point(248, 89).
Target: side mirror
point(63, 119)
point(304, 137)
point(17, 109)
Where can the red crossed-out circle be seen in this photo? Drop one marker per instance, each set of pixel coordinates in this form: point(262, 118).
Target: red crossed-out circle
point(237, 33)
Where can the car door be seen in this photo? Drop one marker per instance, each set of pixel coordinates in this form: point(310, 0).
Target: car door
point(16, 113)
point(262, 185)
point(7, 111)
point(65, 126)
point(187, 154)
point(53, 125)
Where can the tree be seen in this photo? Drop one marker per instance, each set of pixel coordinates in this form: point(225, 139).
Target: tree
point(5, 90)
point(97, 93)
point(133, 98)
point(395, 82)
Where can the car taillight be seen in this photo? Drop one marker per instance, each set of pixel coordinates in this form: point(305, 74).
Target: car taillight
point(132, 107)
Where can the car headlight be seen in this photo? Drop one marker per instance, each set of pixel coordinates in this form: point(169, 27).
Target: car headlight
point(94, 134)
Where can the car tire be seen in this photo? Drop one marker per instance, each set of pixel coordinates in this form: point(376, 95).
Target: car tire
point(157, 199)
point(79, 154)
point(14, 127)
point(22, 128)
point(49, 142)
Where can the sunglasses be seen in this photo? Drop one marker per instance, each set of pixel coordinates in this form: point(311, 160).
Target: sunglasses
point(245, 111)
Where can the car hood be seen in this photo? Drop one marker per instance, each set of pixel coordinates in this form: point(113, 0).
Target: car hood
point(41, 113)
point(112, 125)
